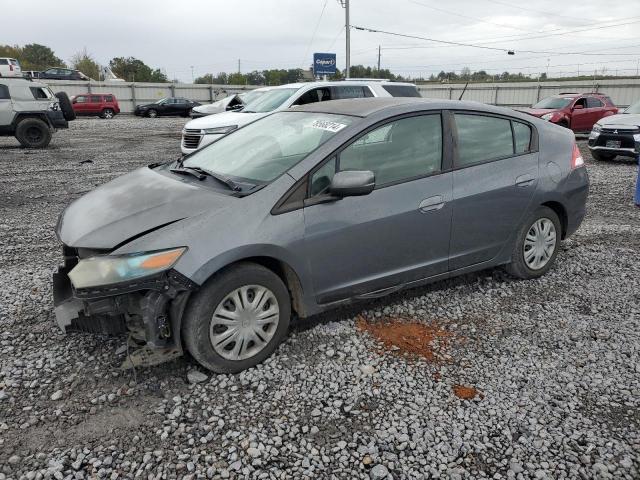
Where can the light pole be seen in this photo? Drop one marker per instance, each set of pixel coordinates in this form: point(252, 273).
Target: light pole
point(345, 5)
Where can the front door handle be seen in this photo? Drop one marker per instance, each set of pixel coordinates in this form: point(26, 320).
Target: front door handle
point(431, 203)
point(524, 180)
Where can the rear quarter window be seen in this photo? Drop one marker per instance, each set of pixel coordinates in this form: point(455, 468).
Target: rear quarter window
point(402, 90)
point(521, 137)
point(39, 93)
point(108, 98)
point(4, 61)
point(482, 138)
point(4, 92)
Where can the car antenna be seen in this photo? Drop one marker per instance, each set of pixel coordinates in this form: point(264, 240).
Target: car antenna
point(463, 90)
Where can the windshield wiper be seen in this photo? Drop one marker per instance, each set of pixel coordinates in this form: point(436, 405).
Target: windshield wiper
point(218, 176)
point(188, 171)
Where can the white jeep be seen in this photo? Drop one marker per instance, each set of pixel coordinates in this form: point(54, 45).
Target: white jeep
point(203, 131)
point(31, 112)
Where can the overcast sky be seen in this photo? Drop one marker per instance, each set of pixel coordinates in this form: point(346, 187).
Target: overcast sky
point(211, 35)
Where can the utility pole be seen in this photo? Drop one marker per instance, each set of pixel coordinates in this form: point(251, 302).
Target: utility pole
point(192, 77)
point(238, 65)
point(378, 60)
point(347, 28)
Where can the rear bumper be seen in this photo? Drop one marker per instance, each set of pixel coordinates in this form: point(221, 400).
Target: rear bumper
point(56, 119)
point(577, 191)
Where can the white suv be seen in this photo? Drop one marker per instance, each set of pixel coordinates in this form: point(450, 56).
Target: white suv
point(203, 131)
point(10, 67)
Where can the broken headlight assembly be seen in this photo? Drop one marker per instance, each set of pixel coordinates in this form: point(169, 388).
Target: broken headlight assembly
point(111, 269)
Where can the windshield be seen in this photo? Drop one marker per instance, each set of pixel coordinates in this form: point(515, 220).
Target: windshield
point(270, 100)
point(265, 149)
point(251, 96)
point(633, 108)
point(553, 102)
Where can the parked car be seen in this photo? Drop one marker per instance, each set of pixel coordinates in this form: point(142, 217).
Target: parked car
point(170, 106)
point(10, 67)
point(62, 74)
point(31, 112)
point(104, 105)
point(232, 102)
point(617, 135)
point(203, 131)
point(308, 209)
point(577, 111)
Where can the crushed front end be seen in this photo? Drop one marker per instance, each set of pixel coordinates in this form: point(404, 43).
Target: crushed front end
point(148, 308)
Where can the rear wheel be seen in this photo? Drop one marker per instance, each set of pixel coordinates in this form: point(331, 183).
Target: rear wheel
point(152, 113)
point(33, 133)
point(237, 319)
point(536, 245)
point(602, 157)
point(107, 113)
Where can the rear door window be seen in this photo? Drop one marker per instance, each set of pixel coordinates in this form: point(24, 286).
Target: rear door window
point(347, 91)
point(96, 99)
point(482, 138)
point(593, 102)
point(401, 90)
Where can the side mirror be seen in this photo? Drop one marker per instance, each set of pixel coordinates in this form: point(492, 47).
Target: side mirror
point(351, 183)
point(578, 107)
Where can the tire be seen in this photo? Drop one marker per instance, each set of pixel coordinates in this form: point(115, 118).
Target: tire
point(522, 268)
point(65, 106)
point(152, 113)
point(602, 157)
point(33, 133)
point(107, 113)
point(214, 303)
point(187, 113)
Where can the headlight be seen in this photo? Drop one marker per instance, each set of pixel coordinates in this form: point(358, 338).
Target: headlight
point(220, 130)
point(547, 116)
point(596, 128)
point(109, 269)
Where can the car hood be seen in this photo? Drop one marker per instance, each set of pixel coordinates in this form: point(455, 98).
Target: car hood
point(224, 119)
point(537, 112)
point(216, 107)
point(133, 205)
point(621, 120)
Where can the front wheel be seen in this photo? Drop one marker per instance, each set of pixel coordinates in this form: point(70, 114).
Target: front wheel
point(152, 113)
point(536, 245)
point(237, 319)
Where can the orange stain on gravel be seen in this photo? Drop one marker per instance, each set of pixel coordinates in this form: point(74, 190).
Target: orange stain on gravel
point(403, 336)
point(466, 393)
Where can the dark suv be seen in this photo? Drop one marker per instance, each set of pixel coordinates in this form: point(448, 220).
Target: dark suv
point(577, 111)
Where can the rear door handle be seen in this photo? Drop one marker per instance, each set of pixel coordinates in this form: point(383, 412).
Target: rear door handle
point(431, 203)
point(524, 180)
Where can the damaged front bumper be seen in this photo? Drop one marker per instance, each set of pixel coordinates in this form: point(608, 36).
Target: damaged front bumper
point(149, 310)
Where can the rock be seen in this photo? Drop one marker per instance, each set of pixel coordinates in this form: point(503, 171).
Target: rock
point(196, 376)
point(57, 395)
point(367, 369)
point(378, 472)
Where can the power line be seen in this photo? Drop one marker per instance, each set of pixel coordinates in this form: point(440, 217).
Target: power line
point(315, 30)
point(484, 47)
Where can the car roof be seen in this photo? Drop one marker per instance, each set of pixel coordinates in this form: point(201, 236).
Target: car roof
point(334, 83)
point(363, 107)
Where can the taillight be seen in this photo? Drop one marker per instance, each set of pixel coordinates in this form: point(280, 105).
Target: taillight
point(10, 67)
point(576, 158)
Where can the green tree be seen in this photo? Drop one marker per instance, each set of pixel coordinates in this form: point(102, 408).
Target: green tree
point(204, 79)
point(134, 70)
point(38, 57)
point(85, 62)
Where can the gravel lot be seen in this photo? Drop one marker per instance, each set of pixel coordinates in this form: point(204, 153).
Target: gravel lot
point(523, 379)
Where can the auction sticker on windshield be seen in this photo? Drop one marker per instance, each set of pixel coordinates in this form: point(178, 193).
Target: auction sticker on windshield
point(327, 125)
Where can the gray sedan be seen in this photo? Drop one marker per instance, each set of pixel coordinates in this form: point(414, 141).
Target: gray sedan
point(309, 209)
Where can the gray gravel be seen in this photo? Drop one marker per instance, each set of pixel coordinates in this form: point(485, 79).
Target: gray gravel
point(556, 360)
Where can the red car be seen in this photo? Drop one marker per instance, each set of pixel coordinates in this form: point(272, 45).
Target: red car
point(103, 105)
point(577, 111)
